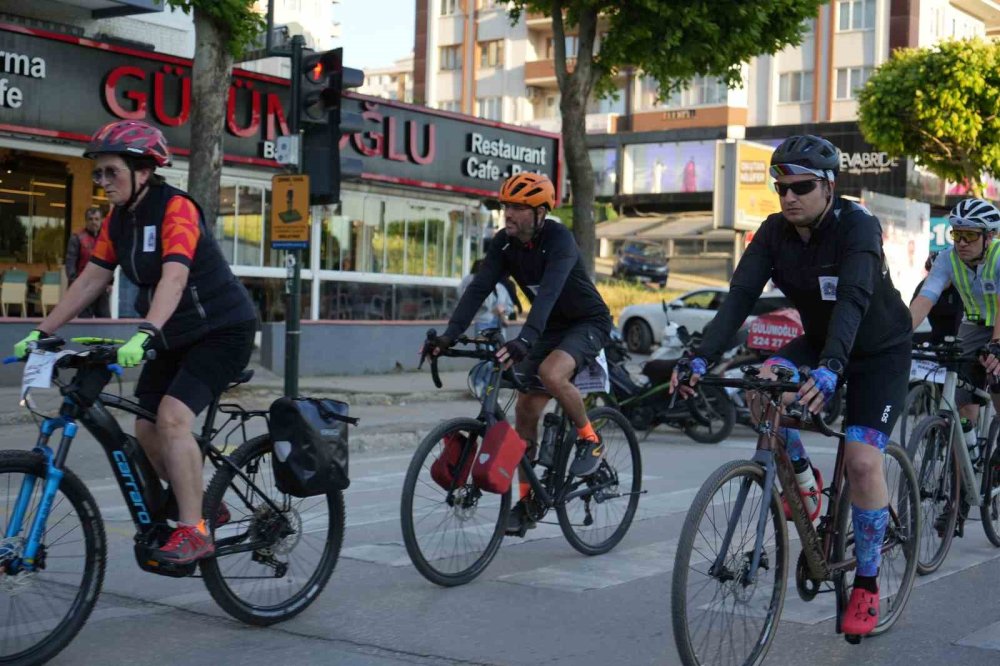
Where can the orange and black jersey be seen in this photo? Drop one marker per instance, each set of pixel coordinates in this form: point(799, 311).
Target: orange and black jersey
point(168, 226)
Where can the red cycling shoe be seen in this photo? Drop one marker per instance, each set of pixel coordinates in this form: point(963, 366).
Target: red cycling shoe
point(861, 614)
point(818, 494)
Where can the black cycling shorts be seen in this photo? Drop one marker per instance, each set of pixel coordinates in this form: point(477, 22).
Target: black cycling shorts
point(199, 372)
point(583, 341)
point(876, 385)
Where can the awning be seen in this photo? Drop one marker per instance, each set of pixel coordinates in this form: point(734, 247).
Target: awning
point(679, 227)
point(626, 227)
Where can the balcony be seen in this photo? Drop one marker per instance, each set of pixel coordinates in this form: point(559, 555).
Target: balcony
point(542, 73)
point(538, 21)
point(986, 11)
point(595, 123)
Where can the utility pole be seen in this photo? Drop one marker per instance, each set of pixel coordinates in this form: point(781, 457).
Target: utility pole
point(293, 260)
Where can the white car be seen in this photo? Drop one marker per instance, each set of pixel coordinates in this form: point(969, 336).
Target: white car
point(642, 325)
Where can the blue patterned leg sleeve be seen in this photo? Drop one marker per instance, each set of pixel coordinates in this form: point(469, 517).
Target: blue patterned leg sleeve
point(793, 440)
point(869, 531)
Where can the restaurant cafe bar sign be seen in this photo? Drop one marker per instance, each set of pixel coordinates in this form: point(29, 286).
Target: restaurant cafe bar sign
point(400, 143)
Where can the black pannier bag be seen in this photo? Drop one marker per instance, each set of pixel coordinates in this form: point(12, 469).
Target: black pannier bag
point(310, 445)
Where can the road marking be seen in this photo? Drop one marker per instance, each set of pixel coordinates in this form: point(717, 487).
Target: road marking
point(987, 638)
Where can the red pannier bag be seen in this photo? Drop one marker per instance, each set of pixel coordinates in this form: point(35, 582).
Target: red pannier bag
point(498, 457)
point(444, 469)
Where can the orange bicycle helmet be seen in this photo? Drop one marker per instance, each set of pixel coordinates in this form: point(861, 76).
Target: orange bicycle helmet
point(530, 189)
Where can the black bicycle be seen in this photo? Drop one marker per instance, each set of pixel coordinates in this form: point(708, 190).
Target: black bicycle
point(273, 553)
point(453, 531)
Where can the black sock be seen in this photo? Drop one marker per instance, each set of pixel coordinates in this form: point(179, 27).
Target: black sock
point(869, 583)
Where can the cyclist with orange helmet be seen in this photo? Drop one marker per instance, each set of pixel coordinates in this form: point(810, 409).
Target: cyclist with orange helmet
point(198, 317)
point(568, 324)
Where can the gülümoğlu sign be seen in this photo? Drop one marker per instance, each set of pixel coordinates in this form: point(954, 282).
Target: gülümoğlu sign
point(63, 87)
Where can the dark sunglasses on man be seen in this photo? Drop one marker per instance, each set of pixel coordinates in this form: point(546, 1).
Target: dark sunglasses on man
point(799, 188)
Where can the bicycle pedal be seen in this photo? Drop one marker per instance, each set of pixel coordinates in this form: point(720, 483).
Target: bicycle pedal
point(143, 557)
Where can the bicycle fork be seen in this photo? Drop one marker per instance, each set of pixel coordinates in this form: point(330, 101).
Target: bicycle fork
point(53, 477)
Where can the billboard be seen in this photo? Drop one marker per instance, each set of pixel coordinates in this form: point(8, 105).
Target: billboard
point(755, 195)
point(905, 228)
point(669, 168)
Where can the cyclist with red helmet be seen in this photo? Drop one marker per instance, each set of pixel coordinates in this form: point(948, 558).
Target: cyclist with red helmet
point(568, 325)
point(197, 315)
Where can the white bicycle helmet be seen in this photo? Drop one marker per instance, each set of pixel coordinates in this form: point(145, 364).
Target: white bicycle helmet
point(976, 214)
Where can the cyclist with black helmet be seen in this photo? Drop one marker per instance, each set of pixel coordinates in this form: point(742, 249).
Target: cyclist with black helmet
point(825, 253)
point(568, 324)
point(198, 317)
point(972, 266)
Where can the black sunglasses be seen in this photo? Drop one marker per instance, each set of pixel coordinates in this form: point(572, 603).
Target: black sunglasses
point(107, 173)
point(799, 188)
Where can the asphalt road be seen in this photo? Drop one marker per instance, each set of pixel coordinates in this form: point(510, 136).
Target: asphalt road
point(539, 602)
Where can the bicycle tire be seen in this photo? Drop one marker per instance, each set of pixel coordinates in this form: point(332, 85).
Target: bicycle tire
point(253, 459)
point(611, 468)
point(719, 404)
point(95, 557)
point(907, 500)
point(989, 510)
point(938, 480)
point(743, 471)
point(419, 473)
point(921, 402)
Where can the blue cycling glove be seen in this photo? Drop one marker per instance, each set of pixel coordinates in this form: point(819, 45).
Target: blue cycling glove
point(826, 381)
point(699, 366)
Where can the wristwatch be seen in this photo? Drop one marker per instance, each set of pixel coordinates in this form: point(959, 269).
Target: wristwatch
point(834, 365)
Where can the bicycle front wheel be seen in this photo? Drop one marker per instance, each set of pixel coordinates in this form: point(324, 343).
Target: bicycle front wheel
point(715, 406)
point(989, 511)
point(899, 546)
point(42, 610)
point(721, 617)
point(299, 540)
point(451, 535)
point(596, 520)
point(936, 463)
point(921, 402)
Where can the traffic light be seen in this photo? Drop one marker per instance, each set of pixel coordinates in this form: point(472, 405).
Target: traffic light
point(324, 121)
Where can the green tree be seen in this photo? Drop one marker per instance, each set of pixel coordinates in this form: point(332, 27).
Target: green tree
point(670, 40)
point(222, 29)
point(938, 105)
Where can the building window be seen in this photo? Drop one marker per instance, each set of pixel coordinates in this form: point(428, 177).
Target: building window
point(491, 54)
point(449, 7)
point(572, 46)
point(795, 87)
point(453, 105)
point(850, 80)
point(856, 15)
point(490, 108)
point(451, 57)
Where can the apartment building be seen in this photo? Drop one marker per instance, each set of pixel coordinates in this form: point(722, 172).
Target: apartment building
point(394, 82)
point(649, 152)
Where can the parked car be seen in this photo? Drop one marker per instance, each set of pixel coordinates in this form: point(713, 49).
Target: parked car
point(642, 261)
point(642, 325)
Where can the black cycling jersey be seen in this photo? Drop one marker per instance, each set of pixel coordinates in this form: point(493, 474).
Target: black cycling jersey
point(838, 281)
point(550, 272)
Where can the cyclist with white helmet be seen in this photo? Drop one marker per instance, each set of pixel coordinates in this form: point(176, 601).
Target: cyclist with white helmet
point(972, 265)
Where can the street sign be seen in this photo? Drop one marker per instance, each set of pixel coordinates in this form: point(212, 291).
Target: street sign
point(286, 149)
point(290, 212)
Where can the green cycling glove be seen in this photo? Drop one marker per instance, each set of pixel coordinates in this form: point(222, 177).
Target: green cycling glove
point(21, 348)
point(132, 352)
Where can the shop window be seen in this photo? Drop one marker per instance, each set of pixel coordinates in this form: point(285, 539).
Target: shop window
point(225, 225)
point(249, 225)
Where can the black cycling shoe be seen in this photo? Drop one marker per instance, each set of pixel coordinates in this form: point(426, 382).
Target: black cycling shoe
point(588, 457)
point(519, 522)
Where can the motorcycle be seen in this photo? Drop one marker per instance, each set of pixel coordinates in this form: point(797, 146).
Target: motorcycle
point(707, 417)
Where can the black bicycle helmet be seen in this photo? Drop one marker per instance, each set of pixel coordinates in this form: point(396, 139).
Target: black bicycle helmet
point(805, 153)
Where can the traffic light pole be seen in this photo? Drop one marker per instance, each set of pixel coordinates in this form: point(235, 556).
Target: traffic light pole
point(293, 261)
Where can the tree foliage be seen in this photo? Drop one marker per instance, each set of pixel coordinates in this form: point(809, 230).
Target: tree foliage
point(940, 106)
point(672, 41)
point(234, 18)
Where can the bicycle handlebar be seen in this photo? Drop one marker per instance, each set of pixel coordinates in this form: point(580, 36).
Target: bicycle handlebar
point(98, 354)
point(486, 353)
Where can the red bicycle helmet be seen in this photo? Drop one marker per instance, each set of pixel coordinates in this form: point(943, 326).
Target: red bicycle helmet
point(130, 137)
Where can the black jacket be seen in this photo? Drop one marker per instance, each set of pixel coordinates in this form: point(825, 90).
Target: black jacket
point(858, 313)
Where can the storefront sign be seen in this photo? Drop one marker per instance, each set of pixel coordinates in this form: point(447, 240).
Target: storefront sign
point(290, 212)
point(413, 145)
point(940, 238)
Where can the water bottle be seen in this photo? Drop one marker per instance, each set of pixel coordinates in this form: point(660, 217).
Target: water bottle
point(807, 485)
point(969, 432)
point(547, 448)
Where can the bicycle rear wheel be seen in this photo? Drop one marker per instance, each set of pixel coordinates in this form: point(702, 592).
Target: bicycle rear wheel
point(899, 549)
point(936, 463)
point(299, 542)
point(597, 520)
point(989, 511)
point(718, 617)
point(450, 537)
point(41, 611)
